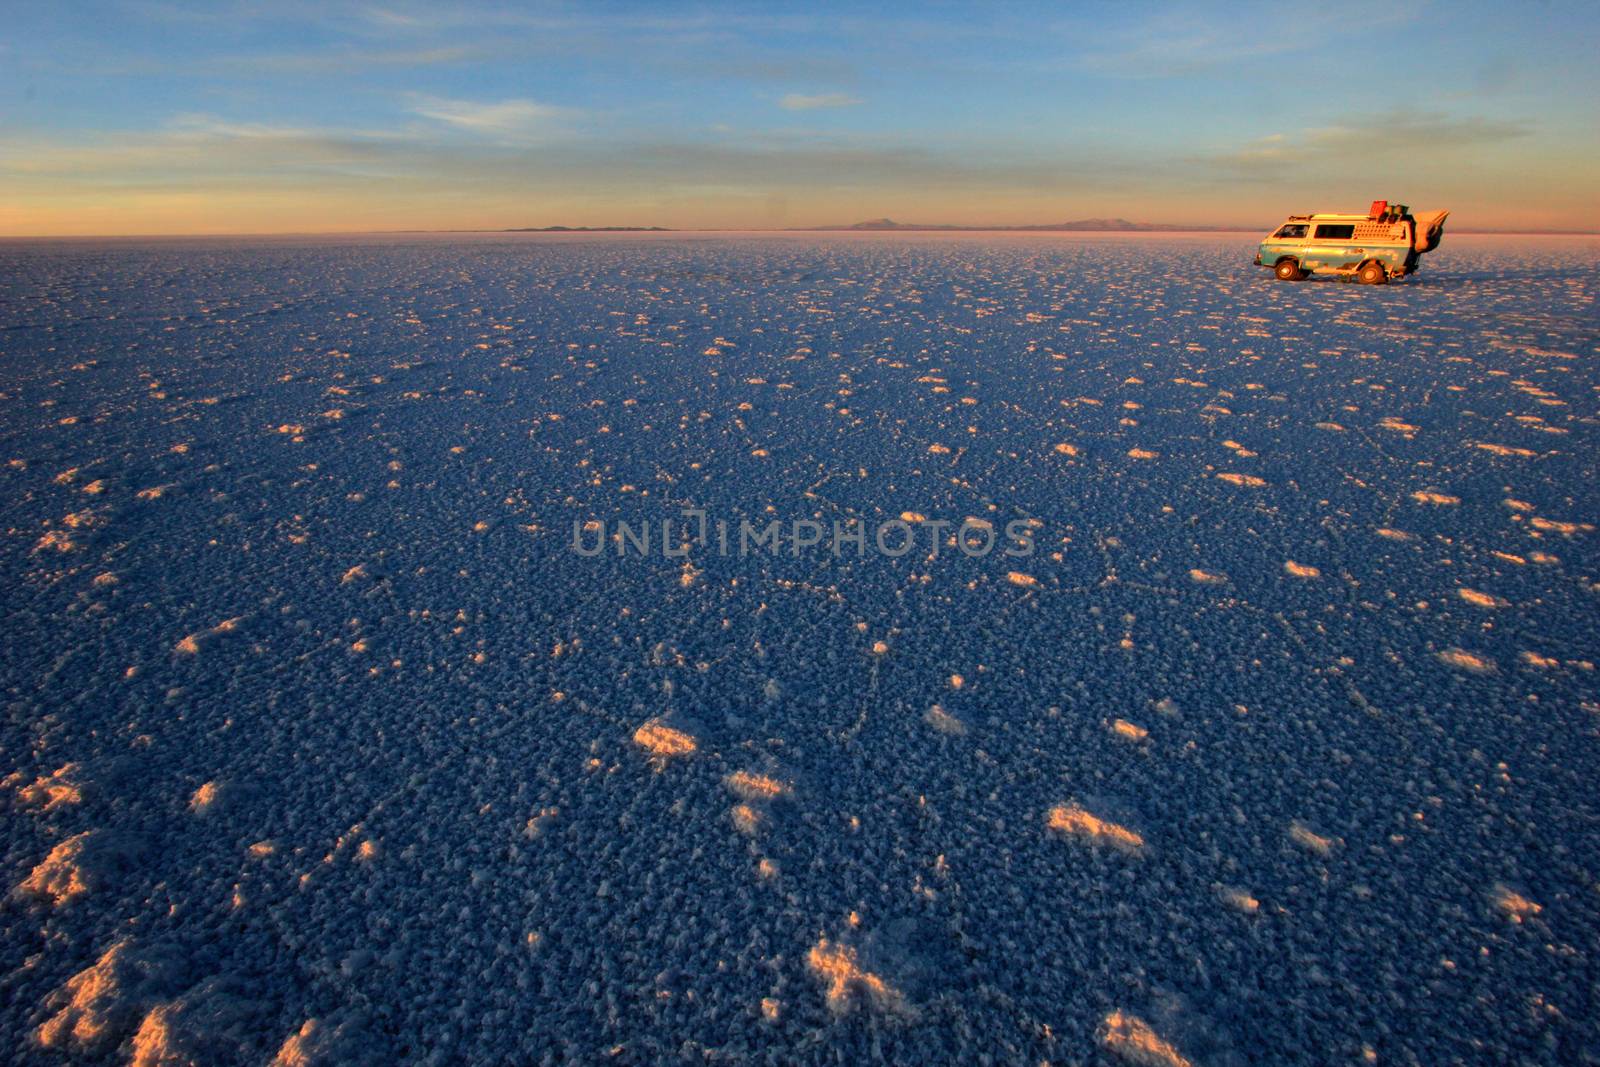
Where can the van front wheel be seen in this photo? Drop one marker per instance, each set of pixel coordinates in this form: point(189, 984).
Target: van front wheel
point(1372, 274)
point(1289, 271)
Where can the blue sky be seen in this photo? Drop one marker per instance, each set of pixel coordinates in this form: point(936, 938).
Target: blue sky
point(229, 117)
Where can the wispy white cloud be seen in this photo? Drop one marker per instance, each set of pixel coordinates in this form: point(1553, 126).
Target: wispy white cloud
point(349, 59)
point(1178, 42)
point(1395, 134)
point(817, 101)
point(515, 121)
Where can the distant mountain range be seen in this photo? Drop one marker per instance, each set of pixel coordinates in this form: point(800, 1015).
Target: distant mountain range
point(585, 229)
point(891, 226)
point(1103, 226)
point(1080, 225)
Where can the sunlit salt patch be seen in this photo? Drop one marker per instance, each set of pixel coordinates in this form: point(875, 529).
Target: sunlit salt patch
point(205, 1024)
point(1133, 1039)
point(62, 788)
point(343, 1037)
point(101, 1004)
point(1565, 529)
point(846, 981)
point(1018, 578)
point(1237, 449)
point(1239, 899)
point(55, 541)
point(746, 819)
point(1480, 599)
point(192, 645)
point(1205, 577)
point(939, 450)
point(1247, 480)
point(663, 741)
point(1505, 450)
point(206, 798)
point(1392, 534)
point(1309, 839)
point(1128, 731)
point(1143, 453)
point(1067, 449)
point(1544, 663)
point(1392, 423)
point(155, 492)
point(81, 864)
point(1429, 496)
point(1331, 427)
point(748, 785)
point(1508, 557)
point(912, 516)
point(1301, 570)
point(1517, 505)
point(1463, 660)
point(1514, 905)
point(1074, 821)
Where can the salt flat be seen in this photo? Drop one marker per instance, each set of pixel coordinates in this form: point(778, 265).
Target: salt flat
point(322, 743)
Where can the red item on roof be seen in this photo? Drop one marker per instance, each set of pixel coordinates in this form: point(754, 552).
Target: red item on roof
point(1378, 209)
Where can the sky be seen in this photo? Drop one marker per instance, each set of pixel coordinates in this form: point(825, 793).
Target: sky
point(151, 117)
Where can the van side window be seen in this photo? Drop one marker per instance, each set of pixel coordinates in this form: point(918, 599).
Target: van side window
point(1291, 229)
point(1327, 232)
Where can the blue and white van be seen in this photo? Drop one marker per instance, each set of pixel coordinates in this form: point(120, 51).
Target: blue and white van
point(1372, 248)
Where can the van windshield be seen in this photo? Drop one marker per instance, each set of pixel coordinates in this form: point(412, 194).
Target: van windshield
point(1291, 229)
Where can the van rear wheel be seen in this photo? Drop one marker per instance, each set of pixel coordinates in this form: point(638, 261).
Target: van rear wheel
point(1372, 273)
point(1289, 270)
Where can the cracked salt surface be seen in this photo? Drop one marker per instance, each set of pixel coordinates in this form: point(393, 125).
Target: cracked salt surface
point(321, 745)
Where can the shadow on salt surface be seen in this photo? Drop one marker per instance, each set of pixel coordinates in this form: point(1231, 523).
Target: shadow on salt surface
point(527, 861)
point(1452, 279)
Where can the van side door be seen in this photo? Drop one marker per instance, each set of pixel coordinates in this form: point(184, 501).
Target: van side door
point(1333, 244)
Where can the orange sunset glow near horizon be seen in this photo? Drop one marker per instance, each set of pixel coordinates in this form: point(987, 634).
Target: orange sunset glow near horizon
point(125, 118)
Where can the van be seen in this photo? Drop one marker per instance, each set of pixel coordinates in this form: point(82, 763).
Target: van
point(1372, 248)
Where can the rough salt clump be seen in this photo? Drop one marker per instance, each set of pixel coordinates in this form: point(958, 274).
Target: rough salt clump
point(663, 741)
point(843, 978)
point(79, 865)
point(1075, 821)
point(1137, 1042)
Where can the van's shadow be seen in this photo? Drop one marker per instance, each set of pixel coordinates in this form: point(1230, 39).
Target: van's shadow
point(1446, 279)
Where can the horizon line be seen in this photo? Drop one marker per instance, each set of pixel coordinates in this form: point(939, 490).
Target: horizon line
point(1154, 230)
